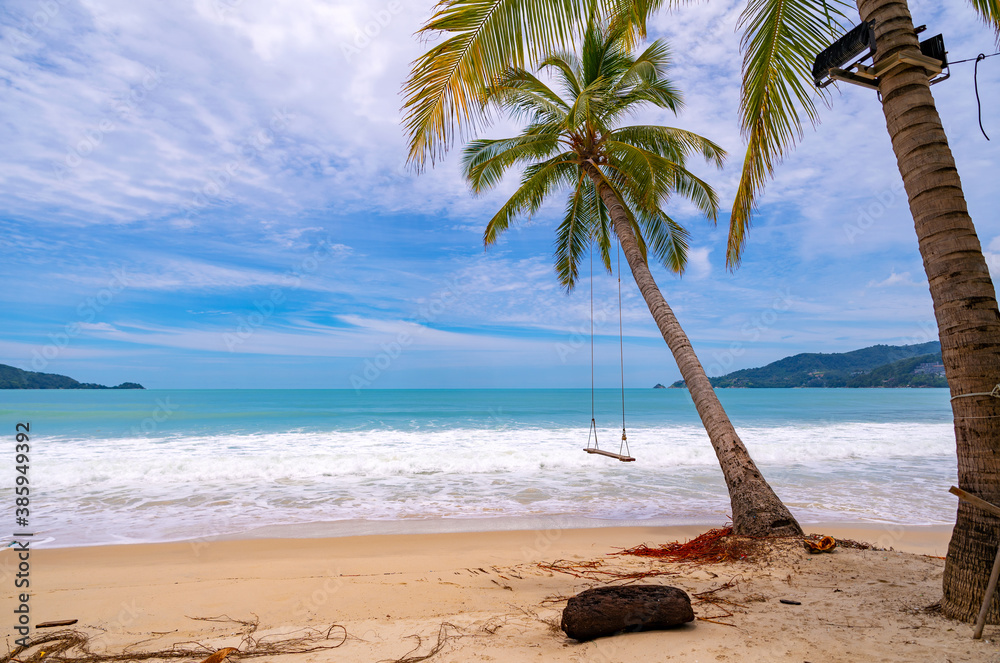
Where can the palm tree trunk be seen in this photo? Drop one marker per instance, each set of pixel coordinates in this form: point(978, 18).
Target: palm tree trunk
point(757, 511)
point(964, 300)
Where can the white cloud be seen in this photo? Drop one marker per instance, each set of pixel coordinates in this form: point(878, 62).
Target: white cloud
point(158, 104)
point(698, 266)
point(894, 279)
point(178, 275)
point(148, 145)
point(993, 259)
point(96, 327)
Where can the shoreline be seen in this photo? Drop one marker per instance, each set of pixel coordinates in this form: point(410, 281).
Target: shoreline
point(915, 538)
point(498, 596)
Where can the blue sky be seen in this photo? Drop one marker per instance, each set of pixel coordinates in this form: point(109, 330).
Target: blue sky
point(212, 193)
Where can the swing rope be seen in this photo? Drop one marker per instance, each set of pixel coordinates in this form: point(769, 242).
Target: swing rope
point(623, 451)
point(593, 419)
point(621, 351)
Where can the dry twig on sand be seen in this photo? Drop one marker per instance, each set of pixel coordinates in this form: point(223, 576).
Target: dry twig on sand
point(442, 640)
point(72, 646)
point(596, 571)
point(709, 597)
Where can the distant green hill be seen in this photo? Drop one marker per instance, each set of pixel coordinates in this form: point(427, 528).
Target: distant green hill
point(877, 366)
point(15, 378)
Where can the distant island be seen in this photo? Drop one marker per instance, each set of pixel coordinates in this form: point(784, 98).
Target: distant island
point(659, 386)
point(889, 366)
point(15, 378)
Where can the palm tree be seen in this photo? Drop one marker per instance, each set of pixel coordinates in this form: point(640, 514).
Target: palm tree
point(779, 40)
point(618, 179)
point(965, 303)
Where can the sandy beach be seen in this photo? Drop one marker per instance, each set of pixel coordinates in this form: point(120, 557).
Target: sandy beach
point(392, 594)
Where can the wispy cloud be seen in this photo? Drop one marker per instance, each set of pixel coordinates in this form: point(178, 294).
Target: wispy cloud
point(207, 150)
point(894, 279)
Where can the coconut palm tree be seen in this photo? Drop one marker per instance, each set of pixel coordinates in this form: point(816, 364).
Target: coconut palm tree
point(962, 292)
point(780, 38)
point(618, 180)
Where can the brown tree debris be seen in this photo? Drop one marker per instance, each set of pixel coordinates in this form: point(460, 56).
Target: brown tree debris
point(595, 570)
point(712, 547)
point(221, 655)
point(604, 611)
point(63, 622)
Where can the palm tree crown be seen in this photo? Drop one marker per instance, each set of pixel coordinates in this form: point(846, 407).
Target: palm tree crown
point(443, 95)
point(574, 141)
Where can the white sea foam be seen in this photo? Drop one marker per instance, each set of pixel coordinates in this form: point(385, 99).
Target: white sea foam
point(105, 490)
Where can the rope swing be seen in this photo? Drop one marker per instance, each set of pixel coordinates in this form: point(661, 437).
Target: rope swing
point(623, 452)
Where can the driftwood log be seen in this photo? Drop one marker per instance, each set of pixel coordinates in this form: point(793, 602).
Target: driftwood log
point(603, 611)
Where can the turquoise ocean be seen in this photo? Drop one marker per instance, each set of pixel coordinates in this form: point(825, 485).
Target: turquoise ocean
point(166, 465)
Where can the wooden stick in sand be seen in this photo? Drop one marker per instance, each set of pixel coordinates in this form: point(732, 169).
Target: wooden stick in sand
point(991, 587)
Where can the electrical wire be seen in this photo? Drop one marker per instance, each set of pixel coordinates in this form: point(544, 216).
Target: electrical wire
point(975, 82)
point(977, 58)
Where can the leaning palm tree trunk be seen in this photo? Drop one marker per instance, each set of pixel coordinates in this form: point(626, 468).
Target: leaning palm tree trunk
point(964, 301)
point(757, 511)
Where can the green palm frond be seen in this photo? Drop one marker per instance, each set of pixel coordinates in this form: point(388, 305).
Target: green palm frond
point(602, 231)
point(566, 65)
point(650, 65)
point(698, 192)
point(482, 39)
point(640, 166)
point(486, 37)
point(574, 233)
point(485, 162)
point(989, 11)
point(667, 240)
point(522, 95)
point(622, 186)
point(669, 175)
point(539, 180)
point(604, 54)
point(644, 176)
point(671, 142)
point(636, 13)
point(582, 108)
point(780, 40)
point(661, 94)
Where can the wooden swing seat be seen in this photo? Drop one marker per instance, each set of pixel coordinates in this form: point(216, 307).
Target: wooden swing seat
point(609, 454)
